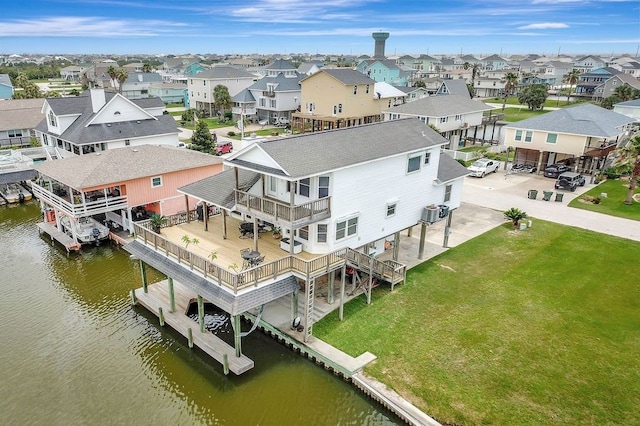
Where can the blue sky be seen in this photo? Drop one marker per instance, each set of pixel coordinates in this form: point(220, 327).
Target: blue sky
point(320, 26)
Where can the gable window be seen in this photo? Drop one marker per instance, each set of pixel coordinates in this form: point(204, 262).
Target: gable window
point(458, 117)
point(355, 90)
point(304, 187)
point(528, 136)
point(552, 137)
point(518, 135)
point(427, 158)
point(52, 119)
point(413, 164)
point(321, 233)
point(444, 119)
point(447, 193)
point(391, 209)
point(346, 228)
point(156, 181)
point(323, 186)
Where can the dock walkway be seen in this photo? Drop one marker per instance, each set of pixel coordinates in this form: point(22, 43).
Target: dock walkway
point(158, 296)
point(69, 243)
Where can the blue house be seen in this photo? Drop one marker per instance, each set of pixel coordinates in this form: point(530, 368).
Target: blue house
point(6, 88)
point(384, 70)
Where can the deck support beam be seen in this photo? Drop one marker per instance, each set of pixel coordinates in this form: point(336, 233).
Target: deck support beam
point(396, 246)
point(201, 313)
point(237, 340)
point(343, 272)
point(332, 281)
point(172, 296)
point(143, 274)
point(186, 203)
point(423, 237)
point(447, 230)
point(294, 305)
point(224, 224)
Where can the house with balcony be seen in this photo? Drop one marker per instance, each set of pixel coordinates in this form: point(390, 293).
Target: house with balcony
point(589, 63)
point(590, 80)
point(493, 63)
point(582, 135)
point(341, 199)
point(97, 121)
point(607, 88)
point(456, 117)
point(71, 73)
point(18, 119)
point(120, 186)
point(272, 98)
point(169, 93)
point(201, 85)
point(137, 84)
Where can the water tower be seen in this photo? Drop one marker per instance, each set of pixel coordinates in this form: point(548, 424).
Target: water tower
point(380, 38)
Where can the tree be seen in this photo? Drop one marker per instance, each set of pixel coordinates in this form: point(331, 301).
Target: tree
point(121, 77)
point(571, 78)
point(475, 70)
point(515, 215)
point(621, 94)
point(420, 83)
point(629, 156)
point(202, 140)
point(22, 80)
point(146, 67)
point(221, 98)
point(510, 81)
point(112, 72)
point(534, 96)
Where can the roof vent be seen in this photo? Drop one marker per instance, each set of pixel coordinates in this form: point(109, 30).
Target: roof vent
point(138, 121)
point(108, 124)
point(135, 150)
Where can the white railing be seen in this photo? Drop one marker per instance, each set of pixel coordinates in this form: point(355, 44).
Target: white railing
point(472, 155)
point(79, 209)
point(243, 111)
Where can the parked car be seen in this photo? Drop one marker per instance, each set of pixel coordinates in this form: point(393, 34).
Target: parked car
point(555, 170)
point(570, 181)
point(223, 147)
point(483, 166)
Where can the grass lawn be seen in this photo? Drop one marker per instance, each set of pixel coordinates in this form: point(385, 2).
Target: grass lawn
point(211, 122)
point(613, 205)
point(553, 103)
point(513, 327)
point(520, 113)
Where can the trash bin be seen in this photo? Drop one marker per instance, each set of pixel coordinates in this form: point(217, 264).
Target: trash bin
point(533, 193)
point(559, 196)
point(547, 195)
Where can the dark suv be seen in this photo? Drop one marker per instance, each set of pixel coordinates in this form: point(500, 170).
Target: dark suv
point(554, 170)
point(570, 181)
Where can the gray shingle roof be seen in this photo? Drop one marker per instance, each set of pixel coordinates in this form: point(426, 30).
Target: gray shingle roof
point(346, 76)
point(284, 84)
point(632, 103)
point(218, 189)
point(20, 113)
point(137, 77)
point(322, 152)
point(587, 119)
point(454, 87)
point(439, 106)
point(449, 169)
point(223, 72)
point(121, 164)
point(280, 64)
point(243, 96)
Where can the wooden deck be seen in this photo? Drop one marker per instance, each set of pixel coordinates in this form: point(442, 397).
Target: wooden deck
point(69, 243)
point(158, 296)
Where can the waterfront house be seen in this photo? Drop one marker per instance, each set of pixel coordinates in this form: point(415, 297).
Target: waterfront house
point(98, 121)
point(340, 199)
point(18, 119)
point(580, 135)
point(120, 185)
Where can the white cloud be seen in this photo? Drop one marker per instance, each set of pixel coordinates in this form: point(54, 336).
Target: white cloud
point(69, 26)
point(544, 26)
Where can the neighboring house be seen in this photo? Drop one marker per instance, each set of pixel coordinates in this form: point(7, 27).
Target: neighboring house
point(590, 80)
point(137, 84)
point(607, 88)
point(489, 87)
point(554, 72)
point(456, 117)
point(98, 121)
point(18, 119)
point(426, 66)
point(134, 67)
point(6, 87)
point(493, 63)
point(274, 97)
point(170, 93)
point(632, 68)
point(629, 108)
point(178, 65)
point(589, 63)
point(336, 98)
point(413, 93)
point(385, 70)
point(308, 68)
point(454, 87)
point(201, 85)
point(71, 73)
point(126, 184)
point(582, 134)
point(406, 61)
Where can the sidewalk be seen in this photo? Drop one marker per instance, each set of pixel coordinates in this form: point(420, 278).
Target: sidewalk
point(501, 192)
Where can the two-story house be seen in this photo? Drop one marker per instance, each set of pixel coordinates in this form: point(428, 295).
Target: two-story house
point(588, 63)
point(200, 86)
point(97, 121)
point(137, 84)
point(426, 66)
point(493, 63)
point(590, 80)
point(607, 88)
point(342, 198)
point(580, 134)
point(385, 70)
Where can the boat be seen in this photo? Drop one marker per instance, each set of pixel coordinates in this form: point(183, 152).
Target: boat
point(89, 230)
point(14, 193)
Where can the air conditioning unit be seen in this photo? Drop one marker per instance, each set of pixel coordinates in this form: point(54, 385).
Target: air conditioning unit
point(430, 214)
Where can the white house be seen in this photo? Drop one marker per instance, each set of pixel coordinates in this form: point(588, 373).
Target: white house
point(96, 121)
point(201, 85)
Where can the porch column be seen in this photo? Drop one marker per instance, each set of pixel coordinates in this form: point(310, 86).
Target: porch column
point(423, 237)
point(143, 274)
point(343, 272)
point(205, 212)
point(396, 246)
point(255, 233)
point(447, 230)
point(332, 279)
point(410, 231)
point(292, 198)
point(540, 161)
point(201, 313)
point(224, 224)
point(294, 305)
point(172, 296)
point(237, 341)
point(186, 203)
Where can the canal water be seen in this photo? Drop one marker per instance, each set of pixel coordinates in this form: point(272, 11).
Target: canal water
point(74, 351)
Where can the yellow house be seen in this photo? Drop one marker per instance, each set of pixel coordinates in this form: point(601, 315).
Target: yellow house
point(337, 98)
point(579, 135)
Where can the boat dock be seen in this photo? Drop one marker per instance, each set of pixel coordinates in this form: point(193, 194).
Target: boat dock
point(69, 243)
point(157, 301)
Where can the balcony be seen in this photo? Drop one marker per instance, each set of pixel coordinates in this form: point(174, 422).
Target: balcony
point(490, 119)
point(244, 110)
point(268, 94)
point(75, 207)
point(275, 211)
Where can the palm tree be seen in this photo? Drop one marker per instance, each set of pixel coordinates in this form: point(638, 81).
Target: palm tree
point(475, 70)
point(112, 72)
point(630, 155)
point(515, 215)
point(510, 81)
point(121, 77)
point(571, 78)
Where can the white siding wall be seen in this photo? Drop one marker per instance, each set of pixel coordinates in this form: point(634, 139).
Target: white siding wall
point(171, 140)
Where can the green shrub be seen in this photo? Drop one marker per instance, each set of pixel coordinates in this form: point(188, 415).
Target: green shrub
point(231, 133)
point(611, 173)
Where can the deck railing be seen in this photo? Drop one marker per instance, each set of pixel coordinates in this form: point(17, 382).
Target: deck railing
point(80, 209)
point(279, 211)
point(269, 271)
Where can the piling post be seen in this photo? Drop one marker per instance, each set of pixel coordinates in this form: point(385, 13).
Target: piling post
point(236, 335)
point(172, 296)
point(423, 236)
point(201, 313)
point(134, 299)
point(143, 273)
point(342, 283)
point(190, 337)
point(161, 316)
point(225, 364)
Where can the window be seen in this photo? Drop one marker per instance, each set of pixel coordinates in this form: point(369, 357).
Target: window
point(427, 158)
point(263, 102)
point(273, 184)
point(205, 95)
point(156, 181)
point(304, 187)
point(321, 233)
point(52, 119)
point(323, 186)
point(303, 233)
point(552, 137)
point(346, 228)
point(458, 117)
point(366, 89)
point(444, 119)
point(127, 142)
point(518, 135)
point(528, 136)
point(272, 103)
point(15, 133)
point(413, 164)
point(391, 209)
point(335, 109)
point(447, 193)
point(340, 108)
point(355, 90)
